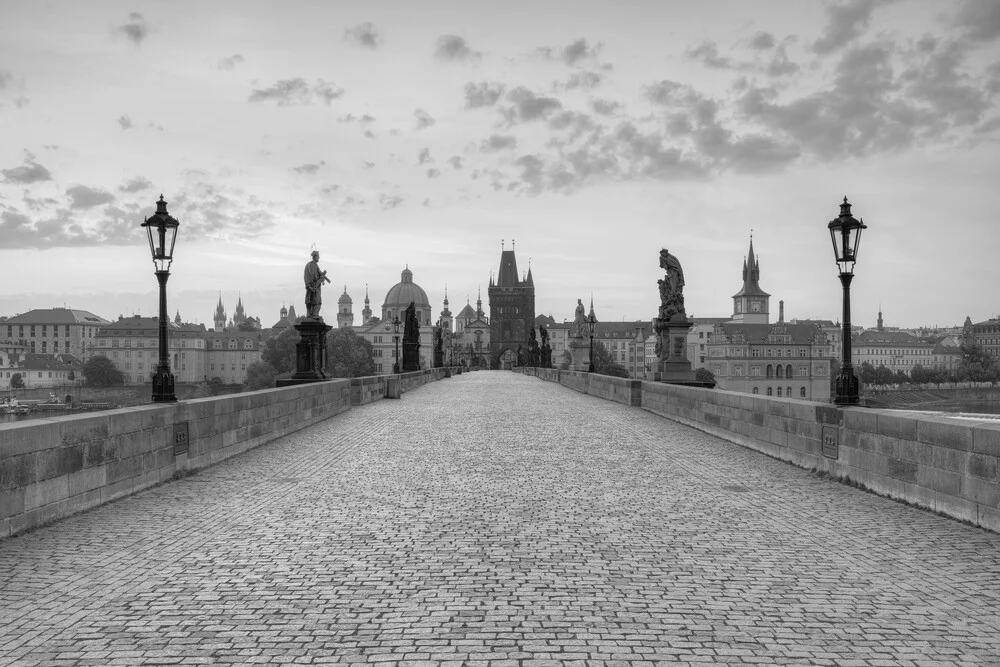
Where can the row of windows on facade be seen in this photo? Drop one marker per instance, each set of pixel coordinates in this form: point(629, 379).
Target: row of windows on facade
point(88, 332)
point(55, 346)
point(778, 371)
point(198, 343)
point(60, 374)
point(788, 392)
point(153, 354)
point(715, 351)
point(897, 351)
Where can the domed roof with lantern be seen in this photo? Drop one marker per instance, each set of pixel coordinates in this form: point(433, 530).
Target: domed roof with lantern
point(402, 293)
point(345, 297)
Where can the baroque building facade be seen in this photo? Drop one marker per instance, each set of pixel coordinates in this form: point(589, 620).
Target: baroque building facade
point(748, 354)
point(53, 331)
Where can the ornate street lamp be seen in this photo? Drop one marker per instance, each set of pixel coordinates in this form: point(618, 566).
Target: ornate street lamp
point(591, 322)
point(845, 232)
point(395, 329)
point(162, 232)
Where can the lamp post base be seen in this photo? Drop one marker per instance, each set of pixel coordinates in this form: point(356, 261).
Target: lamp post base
point(163, 386)
point(848, 389)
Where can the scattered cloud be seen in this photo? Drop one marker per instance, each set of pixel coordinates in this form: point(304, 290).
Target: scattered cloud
point(364, 34)
point(83, 197)
point(572, 54)
point(5, 79)
point(456, 162)
point(292, 92)
point(979, 20)
point(424, 119)
point(762, 41)
point(453, 47)
point(29, 172)
point(498, 142)
point(526, 106)
point(605, 107)
point(229, 63)
point(845, 22)
point(780, 64)
point(62, 228)
point(364, 119)
point(135, 185)
point(424, 156)
point(125, 122)
point(433, 173)
point(308, 169)
point(135, 29)
point(367, 164)
point(389, 202)
point(482, 94)
point(707, 53)
point(584, 80)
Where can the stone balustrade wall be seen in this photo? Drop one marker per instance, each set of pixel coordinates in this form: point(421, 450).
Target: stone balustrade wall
point(51, 468)
point(943, 463)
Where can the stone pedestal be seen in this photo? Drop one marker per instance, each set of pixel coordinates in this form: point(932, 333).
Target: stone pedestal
point(411, 357)
point(673, 365)
point(579, 347)
point(310, 353)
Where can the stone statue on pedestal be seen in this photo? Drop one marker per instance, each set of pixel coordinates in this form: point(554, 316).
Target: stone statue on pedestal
point(672, 325)
point(314, 279)
point(671, 289)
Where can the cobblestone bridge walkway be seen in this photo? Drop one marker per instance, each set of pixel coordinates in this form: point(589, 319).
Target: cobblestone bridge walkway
point(495, 519)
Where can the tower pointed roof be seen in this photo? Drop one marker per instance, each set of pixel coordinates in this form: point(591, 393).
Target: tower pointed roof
point(751, 275)
point(591, 315)
point(507, 276)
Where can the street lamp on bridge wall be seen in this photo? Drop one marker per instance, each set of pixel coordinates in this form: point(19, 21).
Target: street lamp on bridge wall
point(591, 322)
point(845, 232)
point(161, 229)
point(395, 335)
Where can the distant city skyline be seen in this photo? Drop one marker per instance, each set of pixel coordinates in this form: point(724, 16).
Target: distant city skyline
point(426, 135)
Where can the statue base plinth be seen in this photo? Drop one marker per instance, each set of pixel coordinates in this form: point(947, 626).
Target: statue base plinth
point(310, 353)
point(580, 349)
point(673, 366)
point(411, 357)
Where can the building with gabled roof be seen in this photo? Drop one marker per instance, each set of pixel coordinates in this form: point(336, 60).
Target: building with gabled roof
point(53, 331)
point(40, 370)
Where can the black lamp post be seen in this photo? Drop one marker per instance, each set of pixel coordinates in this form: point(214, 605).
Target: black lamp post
point(591, 322)
point(479, 352)
point(162, 232)
point(845, 232)
point(395, 329)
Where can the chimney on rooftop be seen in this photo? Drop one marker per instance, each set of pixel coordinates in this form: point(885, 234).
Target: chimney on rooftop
point(781, 312)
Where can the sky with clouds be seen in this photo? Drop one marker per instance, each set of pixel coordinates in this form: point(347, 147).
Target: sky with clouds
point(428, 134)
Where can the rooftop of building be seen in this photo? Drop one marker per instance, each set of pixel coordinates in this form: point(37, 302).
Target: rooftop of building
point(137, 326)
point(800, 334)
point(56, 316)
point(876, 337)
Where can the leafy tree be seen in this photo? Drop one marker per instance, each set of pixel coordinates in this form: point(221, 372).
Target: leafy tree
point(704, 375)
point(16, 381)
point(348, 355)
point(866, 373)
point(883, 376)
point(604, 364)
point(101, 372)
point(279, 351)
point(921, 375)
point(215, 380)
point(260, 375)
point(249, 324)
point(976, 365)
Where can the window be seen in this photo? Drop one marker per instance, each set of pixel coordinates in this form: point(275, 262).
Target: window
point(770, 392)
point(803, 371)
point(770, 371)
point(755, 352)
point(779, 392)
point(780, 371)
point(66, 332)
point(232, 343)
point(738, 371)
point(755, 371)
point(788, 392)
point(788, 373)
point(802, 392)
point(755, 390)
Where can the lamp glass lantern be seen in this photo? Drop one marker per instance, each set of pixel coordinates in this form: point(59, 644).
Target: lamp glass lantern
point(395, 336)
point(845, 233)
point(161, 229)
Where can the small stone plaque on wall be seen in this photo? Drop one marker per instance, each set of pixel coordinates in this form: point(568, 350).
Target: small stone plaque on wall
point(831, 441)
point(180, 438)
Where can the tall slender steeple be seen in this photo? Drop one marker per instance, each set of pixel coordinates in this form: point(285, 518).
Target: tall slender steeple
point(880, 317)
point(366, 313)
point(751, 305)
point(479, 303)
point(220, 315)
point(591, 315)
point(446, 319)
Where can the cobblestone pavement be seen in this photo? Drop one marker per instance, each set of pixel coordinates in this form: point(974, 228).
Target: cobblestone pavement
point(495, 519)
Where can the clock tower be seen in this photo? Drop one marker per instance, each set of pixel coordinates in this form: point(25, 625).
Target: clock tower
point(751, 304)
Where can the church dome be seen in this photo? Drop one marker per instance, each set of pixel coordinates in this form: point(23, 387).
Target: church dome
point(345, 297)
point(402, 293)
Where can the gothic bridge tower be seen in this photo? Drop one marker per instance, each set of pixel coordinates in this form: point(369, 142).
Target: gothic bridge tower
point(512, 308)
